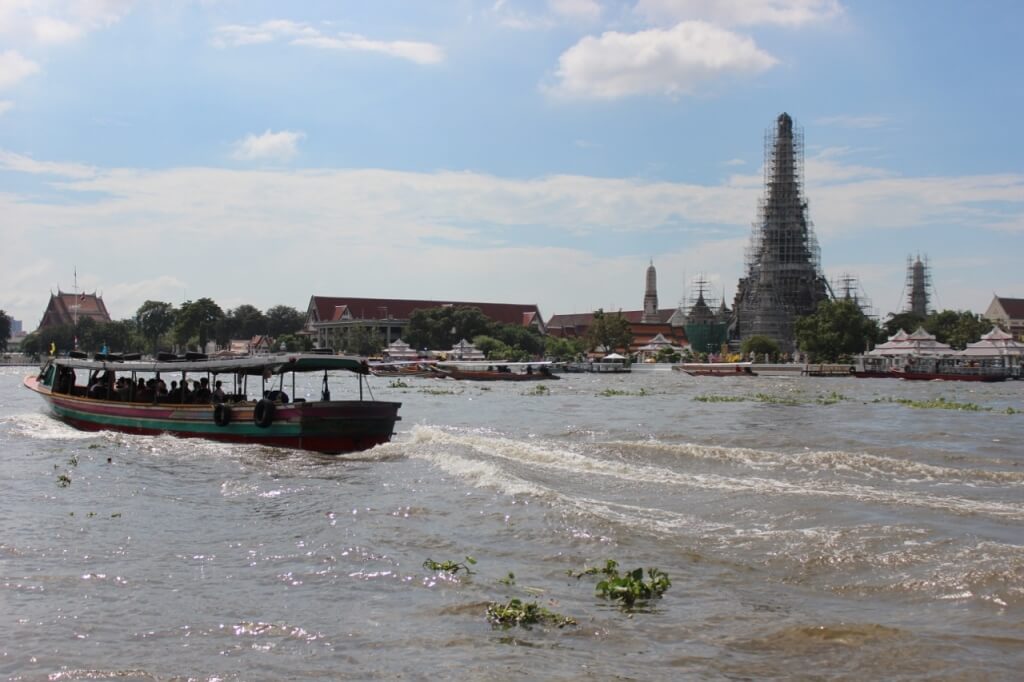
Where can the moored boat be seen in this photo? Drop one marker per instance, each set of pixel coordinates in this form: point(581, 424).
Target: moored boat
point(133, 405)
point(509, 371)
point(717, 369)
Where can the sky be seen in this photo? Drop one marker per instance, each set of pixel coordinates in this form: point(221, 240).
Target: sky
point(517, 151)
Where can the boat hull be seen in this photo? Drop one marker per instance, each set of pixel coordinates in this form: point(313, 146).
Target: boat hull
point(330, 427)
point(465, 375)
point(946, 376)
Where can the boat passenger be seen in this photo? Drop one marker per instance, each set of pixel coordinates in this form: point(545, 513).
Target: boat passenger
point(218, 392)
point(202, 393)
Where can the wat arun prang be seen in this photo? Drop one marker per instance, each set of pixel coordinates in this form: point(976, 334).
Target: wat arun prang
point(783, 262)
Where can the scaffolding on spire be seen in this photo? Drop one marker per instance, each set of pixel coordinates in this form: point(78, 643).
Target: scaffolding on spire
point(918, 287)
point(783, 262)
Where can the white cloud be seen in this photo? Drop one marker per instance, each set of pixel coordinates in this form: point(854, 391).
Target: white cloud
point(14, 68)
point(656, 62)
point(473, 224)
point(304, 35)
point(791, 13)
point(280, 146)
point(734, 162)
point(24, 164)
point(418, 52)
point(579, 10)
point(847, 121)
point(5, 106)
point(557, 12)
point(51, 22)
point(54, 31)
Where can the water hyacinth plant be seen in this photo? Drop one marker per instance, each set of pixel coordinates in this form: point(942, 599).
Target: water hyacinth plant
point(628, 588)
point(450, 566)
point(515, 612)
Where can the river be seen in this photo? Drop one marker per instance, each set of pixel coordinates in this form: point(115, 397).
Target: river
point(828, 528)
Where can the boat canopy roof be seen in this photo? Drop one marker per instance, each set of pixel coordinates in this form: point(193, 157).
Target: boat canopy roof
point(255, 365)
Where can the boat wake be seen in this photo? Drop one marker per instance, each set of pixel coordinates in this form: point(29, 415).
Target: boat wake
point(516, 467)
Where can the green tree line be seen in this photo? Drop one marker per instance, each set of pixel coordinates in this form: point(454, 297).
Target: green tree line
point(160, 325)
point(838, 330)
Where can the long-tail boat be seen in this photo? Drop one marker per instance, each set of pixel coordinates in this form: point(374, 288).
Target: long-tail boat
point(496, 371)
point(271, 418)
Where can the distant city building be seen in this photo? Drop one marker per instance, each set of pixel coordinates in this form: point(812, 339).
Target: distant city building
point(1008, 313)
point(15, 327)
point(783, 277)
point(68, 308)
point(646, 325)
point(330, 318)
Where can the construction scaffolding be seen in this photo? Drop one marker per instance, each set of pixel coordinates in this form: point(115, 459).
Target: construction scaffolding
point(783, 262)
point(918, 287)
point(848, 288)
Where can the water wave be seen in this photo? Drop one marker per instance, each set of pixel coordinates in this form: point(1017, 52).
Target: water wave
point(565, 460)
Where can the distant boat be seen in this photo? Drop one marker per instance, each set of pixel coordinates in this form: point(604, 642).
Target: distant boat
point(717, 369)
point(497, 371)
point(325, 425)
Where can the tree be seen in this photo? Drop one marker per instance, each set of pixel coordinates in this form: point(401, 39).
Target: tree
point(441, 328)
point(761, 345)
point(956, 327)
point(197, 320)
point(243, 322)
point(610, 332)
point(563, 349)
point(282, 319)
point(907, 321)
point(118, 335)
point(527, 340)
point(834, 330)
point(667, 354)
point(5, 330)
point(153, 319)
point(362, 341)
point(293, 342)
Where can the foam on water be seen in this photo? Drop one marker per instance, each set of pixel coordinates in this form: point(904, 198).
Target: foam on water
point(566, 460)
point(39, 426)
point(868, 466)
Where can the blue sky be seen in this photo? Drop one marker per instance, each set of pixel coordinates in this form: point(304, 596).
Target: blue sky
point(535, 151)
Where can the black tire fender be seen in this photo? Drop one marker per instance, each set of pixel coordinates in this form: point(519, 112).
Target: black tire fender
point(221, 414)
point(263, 413)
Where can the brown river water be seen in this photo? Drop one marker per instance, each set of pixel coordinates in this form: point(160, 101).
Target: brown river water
point(811, 529)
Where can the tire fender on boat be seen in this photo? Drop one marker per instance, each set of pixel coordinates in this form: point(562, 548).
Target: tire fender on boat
point(221, 414)
point(263, 413)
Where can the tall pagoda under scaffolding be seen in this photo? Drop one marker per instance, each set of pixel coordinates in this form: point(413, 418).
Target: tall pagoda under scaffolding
point(783, 277)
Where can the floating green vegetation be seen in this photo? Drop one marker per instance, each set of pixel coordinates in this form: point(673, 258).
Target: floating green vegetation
point(613, 392)
point(939, 403)
point(720, 398)
point(437, 391)
point(397, 383)
point(831, 399)
point(450, 566)
point(63, 480)
point(538, 389)
point(515, 612)
point(758, 397)
point(776, 399)
point(73, 461)
point(509, 579)
point(628, 588)
point(1010, 410)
